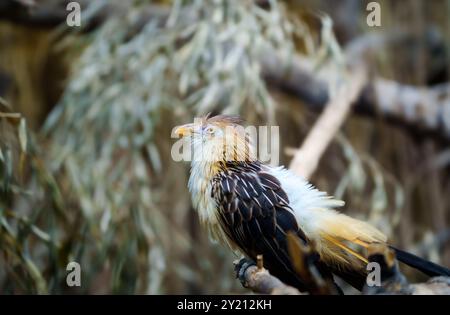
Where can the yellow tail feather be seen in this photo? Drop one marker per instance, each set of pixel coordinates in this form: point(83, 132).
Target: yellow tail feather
point(335, 232)
point(345, 248)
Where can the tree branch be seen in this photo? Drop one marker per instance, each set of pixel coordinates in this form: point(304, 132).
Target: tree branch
point(392, 280)
point(259, 280)
point(304, 261)
point(47, 14)
point(418, 108)
point(306, 159)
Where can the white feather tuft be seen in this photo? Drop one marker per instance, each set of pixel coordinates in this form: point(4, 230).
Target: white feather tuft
point(317, 217)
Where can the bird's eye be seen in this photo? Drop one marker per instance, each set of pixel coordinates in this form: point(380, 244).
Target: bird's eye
point(210, 130)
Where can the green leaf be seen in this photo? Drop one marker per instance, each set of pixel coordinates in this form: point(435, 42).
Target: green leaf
point(36, 275)
point(8, 167)
point(23, 134)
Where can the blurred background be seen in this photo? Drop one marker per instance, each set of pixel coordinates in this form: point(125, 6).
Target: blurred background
point(86, 114)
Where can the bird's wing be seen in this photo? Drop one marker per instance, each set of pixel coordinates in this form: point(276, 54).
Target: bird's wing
point(254, 213)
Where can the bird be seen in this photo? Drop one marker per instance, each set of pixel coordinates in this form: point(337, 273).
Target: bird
point(251, 207)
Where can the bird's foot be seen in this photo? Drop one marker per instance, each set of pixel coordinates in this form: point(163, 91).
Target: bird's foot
point(241, 266)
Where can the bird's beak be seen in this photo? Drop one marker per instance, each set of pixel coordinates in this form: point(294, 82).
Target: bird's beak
point(184, 130)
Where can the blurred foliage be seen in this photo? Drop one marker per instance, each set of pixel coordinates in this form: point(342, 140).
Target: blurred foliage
point(104, 131)
point(97, 184)
point(27, 216)
point(105, 145)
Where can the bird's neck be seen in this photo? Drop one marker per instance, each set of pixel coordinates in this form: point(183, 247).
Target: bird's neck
point(202, 172)
point(205, 170)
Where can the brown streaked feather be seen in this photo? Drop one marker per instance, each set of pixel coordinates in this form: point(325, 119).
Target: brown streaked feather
point(254, 213)
point(225, 119)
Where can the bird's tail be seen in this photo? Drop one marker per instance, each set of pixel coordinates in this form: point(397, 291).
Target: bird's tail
point(423, 265)
point(335, 232)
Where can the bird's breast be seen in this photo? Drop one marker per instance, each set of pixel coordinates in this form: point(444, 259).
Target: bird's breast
point(200, 187)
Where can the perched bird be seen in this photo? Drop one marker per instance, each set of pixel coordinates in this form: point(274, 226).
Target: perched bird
point(251, 207)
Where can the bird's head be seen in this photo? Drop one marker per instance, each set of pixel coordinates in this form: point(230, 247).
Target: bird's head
point(217, 139)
